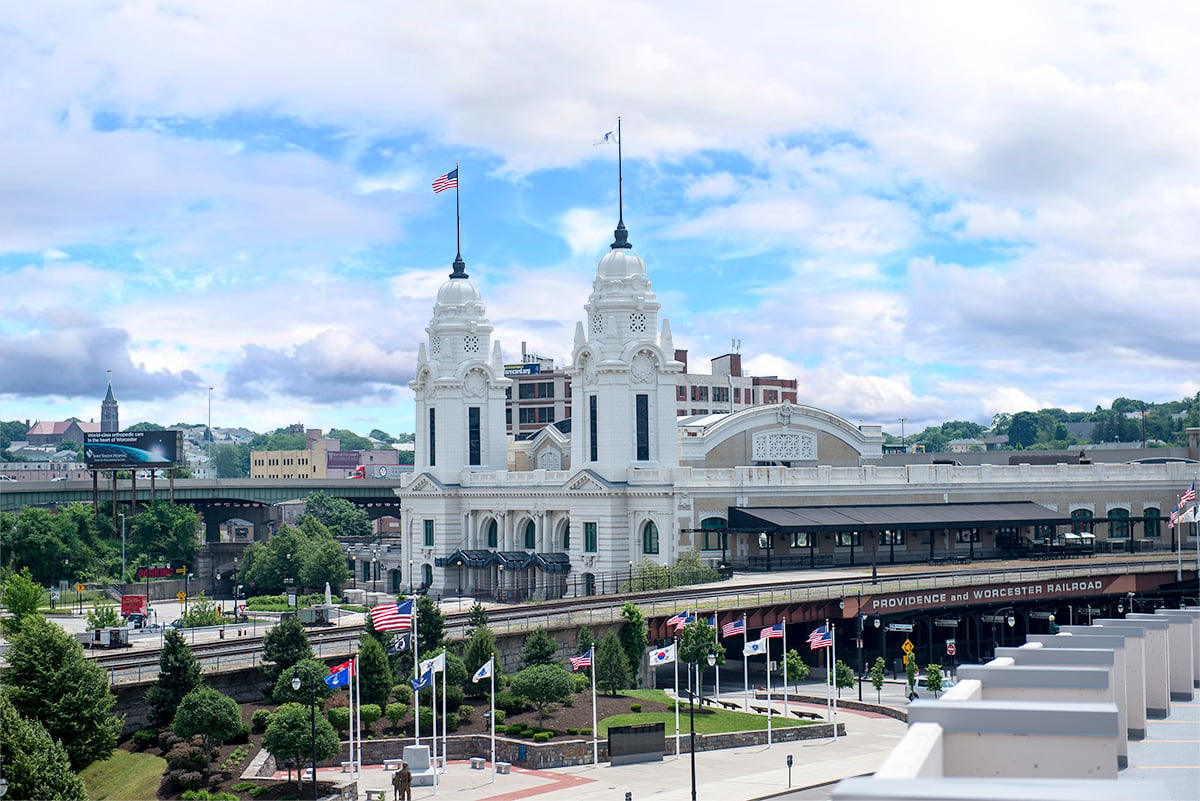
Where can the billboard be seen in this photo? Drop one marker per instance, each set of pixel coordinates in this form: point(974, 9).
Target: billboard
point(342, 460)
point(113, 450)
point(523, 369)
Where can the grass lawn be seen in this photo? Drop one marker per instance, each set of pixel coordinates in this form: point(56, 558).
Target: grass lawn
point(709, 721)
point(124, 775)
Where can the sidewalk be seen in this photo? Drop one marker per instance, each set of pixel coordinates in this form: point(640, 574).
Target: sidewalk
point(737, 774)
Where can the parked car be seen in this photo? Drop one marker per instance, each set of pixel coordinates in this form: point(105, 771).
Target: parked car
point(60, 478)
point(923, 685)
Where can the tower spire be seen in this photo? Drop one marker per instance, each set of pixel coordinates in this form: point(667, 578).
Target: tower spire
point(459, 267)
point(620, 235)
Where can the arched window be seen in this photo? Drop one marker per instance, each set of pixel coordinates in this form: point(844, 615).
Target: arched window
point(649, 537)
point(1081, 521)
point(714, 533)
point(566, 536)
point(427, 574)
point(530, 535)
point(589, 584)
point(1152, 527)
point(1118, 524)
point(493, 538)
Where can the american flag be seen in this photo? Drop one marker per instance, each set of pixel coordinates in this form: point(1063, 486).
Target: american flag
point(1174, 517)
point(680, 620)
point(822, 637)
point(711, 622)
point(393, 617)
point(1189, 494)
point(582, 661)
point(736, 627)
point(771, 631)
point(447, 181)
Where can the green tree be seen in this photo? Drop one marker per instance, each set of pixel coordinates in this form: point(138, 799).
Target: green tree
point(878, 673)
point(349, 441)
point(21, 597)
point(543, 685)
point(323, 562)
point(797, 669)
point(480, 648)
point(212, 715)
point(612, 666)
point(230, 461)
point(584, 640)
point(476, 616)
point(306, 556)
point(843, 676)
point(337, 514)
point(283, 646)
point(696, 641)
point(910, 672)
point(166, 530)
point(202, 611)
point(49, 680)
point(396, 712)
point(289, 735)
point(634, 637)
point(933, 679)
point(539, 648)
point(375, 672)
point(431, 625)
point(35, 765)
point(178, 674)
point(312, 673)
point(102, 616)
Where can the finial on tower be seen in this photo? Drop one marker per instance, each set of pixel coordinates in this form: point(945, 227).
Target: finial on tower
point(620, 235)
point(460, 267)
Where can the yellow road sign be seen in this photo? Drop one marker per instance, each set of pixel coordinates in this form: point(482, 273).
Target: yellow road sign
point(907, 647)
point(181, 595)
point(78, 588)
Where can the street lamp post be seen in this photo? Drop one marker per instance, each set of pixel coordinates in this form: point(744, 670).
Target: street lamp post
point(374, 571)
point(312, 688)
point(411, 585)
point(711, 658)
point(122, 516)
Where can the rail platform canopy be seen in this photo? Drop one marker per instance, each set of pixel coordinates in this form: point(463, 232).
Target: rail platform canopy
point(893, 517)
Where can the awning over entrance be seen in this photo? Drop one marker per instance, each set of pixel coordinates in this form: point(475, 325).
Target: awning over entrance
point(509, 560)
point(893, 517)
point(475, 560)
point(553, 562)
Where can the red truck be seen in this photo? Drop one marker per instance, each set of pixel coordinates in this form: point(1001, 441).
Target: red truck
point(134, 609)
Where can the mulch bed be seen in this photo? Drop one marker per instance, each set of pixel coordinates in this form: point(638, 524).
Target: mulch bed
point(561, 717)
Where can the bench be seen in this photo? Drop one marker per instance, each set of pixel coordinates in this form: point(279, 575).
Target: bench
point(729, 705)
point(478, 763)
point(762, 710)
point(376, 795)
point(503, 767)
point(813, 715)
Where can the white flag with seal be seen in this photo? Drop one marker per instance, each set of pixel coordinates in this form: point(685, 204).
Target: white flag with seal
point(484, 671)
point(755, 647)
point(437, 664)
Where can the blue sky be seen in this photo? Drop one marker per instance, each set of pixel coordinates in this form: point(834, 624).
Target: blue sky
point(933, 211)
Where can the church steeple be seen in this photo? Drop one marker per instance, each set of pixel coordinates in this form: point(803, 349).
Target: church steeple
point(109, 419)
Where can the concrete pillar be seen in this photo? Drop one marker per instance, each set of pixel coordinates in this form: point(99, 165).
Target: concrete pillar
point(1157, 657)
point(1127, 655)
point(1105, 658)
point(1180, 672)
point(1194, 613)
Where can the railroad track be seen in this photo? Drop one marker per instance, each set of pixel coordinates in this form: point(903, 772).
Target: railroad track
point(236, 652)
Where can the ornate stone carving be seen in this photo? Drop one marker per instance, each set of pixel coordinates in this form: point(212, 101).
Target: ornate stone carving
point(642, 369)
point(685, 501)
point(589, 370)
point(784, 446)
point(549, 459)
point(476, 384)
point(785, 413)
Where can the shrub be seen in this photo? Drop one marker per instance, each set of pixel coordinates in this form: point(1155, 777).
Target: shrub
point(511, 702)
point(426, 719)
point(451, 721)
point(541, 737)
point(339, 717)
point(369, 713)
point(167, 740)
point(635, 707)
point(586, 732)
point(259, 720)
point(187, 756)
point(403, 693)
point(259, 790)
point(465, 712)
point(573, 730)
point(582, 681)
point(501, 728)
point(205, 795)
point(185, 779)
point(500, 715)
point(144, 738)
point(395, 712)
point(242, 735)
point(243, 787)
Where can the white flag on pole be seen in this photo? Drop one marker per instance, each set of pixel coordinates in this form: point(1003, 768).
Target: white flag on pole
point(437, 664)
point(754, 647)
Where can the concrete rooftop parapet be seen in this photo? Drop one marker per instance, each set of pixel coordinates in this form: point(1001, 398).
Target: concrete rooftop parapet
point(959, 789)
point(1182, 669)
point(919, 753)
point(1128, 647)
point(1194, 613)
point(1055, 677)
point(1024, 738)
point(1157, 657)
point(1085, 657)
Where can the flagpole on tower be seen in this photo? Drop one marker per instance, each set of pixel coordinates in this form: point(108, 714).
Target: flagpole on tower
point(457, 216)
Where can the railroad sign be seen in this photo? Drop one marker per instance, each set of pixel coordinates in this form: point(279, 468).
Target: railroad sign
point(181, 595)
point(907, 647)
point(950, 647)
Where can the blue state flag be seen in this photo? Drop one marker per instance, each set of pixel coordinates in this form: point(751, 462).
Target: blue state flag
point(339, 675)
point(426, 680)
